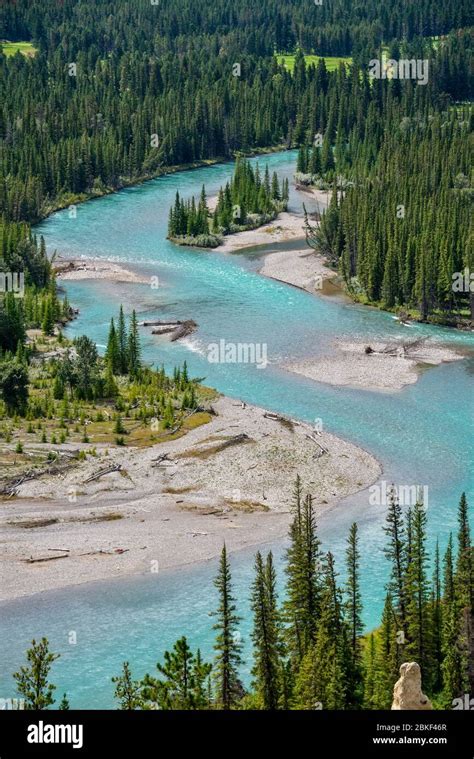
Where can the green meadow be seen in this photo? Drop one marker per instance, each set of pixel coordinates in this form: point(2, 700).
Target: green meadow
point(332, 61)
point(11, 48)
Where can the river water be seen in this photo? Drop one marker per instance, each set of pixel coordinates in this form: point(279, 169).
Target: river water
point(421, 435)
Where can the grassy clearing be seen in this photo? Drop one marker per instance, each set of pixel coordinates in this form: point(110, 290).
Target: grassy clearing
point(332, 61)
point(12, 48)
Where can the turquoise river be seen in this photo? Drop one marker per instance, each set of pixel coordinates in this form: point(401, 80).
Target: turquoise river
point(421, 435)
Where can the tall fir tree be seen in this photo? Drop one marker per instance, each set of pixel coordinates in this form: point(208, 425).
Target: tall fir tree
point(266, 636)
point(228, 687)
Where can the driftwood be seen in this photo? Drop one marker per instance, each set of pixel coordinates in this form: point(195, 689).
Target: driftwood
point(102, 472)
point(10, 487)
point(162, 460)
point(186, 328)
point(322, 449)
point(288, 423)
point(403, 348)
point(44, 558)
point(177, 329)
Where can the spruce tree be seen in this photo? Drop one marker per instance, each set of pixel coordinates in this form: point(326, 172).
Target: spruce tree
point(353, 617)
point(395, 551)
point(464, 574)
point(266, 635)
point(122, 343)
point(133, 348)
point(437, 622)
point(301, 606)
point(389, 657)
point(418, 619)
point(112, 353)
point(228, 687)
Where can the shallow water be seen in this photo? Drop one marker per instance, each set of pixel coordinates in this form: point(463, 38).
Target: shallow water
point(421, 435)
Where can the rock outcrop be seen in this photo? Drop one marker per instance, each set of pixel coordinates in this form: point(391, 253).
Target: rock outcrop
point(407, 693)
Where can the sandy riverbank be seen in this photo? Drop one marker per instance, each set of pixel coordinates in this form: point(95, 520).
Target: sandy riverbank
point(213, 486)
point(77, 269)
point(286, 227)
point(389, 366)
point(301, 268)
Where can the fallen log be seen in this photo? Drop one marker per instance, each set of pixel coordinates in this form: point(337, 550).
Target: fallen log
point(44, 558)
point(103, 472)
point(184, 329)
point(160, 323)
point(323, 450)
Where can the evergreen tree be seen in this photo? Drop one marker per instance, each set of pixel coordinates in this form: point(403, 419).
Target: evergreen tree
point(389, 657)
point(133, 348)
point(32, 680)
point(112, 354)
point(464, 574)
point(322, 678)
point(419, 632)
point(266, 635)
point(128, 690)
point(353, 616)
point(64, 704)
point(301, 607)
point(122, 343)
point(181, 681)
point(14, 382)
point(228, 688)
point(396, 554)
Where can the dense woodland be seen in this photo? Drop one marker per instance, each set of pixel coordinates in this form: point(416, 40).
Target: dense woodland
point(121, 91)
point(308, 649)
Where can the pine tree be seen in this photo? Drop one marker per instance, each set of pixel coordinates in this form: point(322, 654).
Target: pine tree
point(266, 635)
point(127, 690)
point(353, 604)
point(455, 661)
point(419, 631)
point(112, 353)
point(32, 680)
point(388, 658)
point(370, 674)
point(396, 553)
point(180, 685)
point(133, 348)
point(228, 688)
point(448, 573)
point(322, 678)
point(47, 324)
point(464, 574)
point(301, 607)
point(64, 704)
point(437, 622)
point(122, 343)
point(353, 616)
